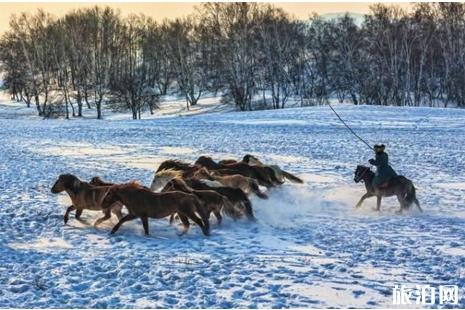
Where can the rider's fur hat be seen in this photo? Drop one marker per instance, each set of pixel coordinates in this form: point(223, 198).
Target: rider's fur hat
point(379, 147)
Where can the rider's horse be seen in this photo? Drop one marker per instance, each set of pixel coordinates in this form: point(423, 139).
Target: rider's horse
point(397, 186)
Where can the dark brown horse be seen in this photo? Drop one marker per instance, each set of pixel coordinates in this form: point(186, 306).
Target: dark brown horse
point(211, 200)
point(398, 186)
point(258, 173)
point(279, 174)
point(275, 177)
point(85, 197)
point(143, 203)
point(237, 197)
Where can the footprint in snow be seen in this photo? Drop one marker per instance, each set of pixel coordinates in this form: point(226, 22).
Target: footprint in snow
point(358, 293)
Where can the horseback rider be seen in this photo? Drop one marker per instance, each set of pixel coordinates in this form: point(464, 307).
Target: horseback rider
point(384, 171)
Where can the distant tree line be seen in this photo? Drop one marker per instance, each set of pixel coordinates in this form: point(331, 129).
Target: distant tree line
point(255, 55)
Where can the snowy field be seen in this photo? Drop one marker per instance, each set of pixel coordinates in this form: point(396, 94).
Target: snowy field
point(309, 247)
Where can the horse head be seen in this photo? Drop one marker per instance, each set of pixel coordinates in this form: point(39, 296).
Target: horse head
point(66, 182)
point(360, 173)
point(252, 160)
point(162, 177)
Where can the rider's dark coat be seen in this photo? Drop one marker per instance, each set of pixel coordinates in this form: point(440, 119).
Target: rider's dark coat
point(384, 171)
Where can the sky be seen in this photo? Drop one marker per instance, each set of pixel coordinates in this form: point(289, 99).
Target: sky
point(162, 10)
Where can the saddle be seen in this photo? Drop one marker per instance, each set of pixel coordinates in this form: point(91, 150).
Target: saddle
point(383, 185)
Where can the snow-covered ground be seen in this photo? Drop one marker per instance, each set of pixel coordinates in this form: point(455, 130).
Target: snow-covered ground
point(309, 247)
point(170, 105)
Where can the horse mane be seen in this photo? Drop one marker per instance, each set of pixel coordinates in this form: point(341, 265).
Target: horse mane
point(168, 173)
point(173, 164)
point(367, 170)
point(363, 167)
point(207, 162)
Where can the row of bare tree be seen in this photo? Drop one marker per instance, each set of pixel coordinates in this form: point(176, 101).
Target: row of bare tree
point(255, 55)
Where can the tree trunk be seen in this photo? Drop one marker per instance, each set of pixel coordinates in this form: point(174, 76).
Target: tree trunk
point(37, 100)
point(79, 103)
point(98, 105)
point(86, 98)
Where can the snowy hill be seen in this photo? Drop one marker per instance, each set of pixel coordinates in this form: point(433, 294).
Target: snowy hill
point(309, 248)
point(170, 106)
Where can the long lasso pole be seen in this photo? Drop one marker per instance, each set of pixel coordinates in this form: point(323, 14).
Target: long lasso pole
point(350, 129)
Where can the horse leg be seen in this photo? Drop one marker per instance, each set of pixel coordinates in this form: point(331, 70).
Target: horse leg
point(359, 203)
point(66, 216)
point(402, 204)
point(145, 223)
point(185, 222)
point(78, 214)
point(378, 202)
point(125, 218)
point(218, 216)
point(417, 203)
point(107, 215)
point(172, 218)
point(117, 210)
point(202, 211)
point(197, 220)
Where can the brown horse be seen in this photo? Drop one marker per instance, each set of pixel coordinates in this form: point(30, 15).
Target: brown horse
point(85, 197)
point(143, 203)
point(279, 174)
point(247, 185)
point(273, 176)
point(398, 186)
point(258, 173)
point(211, 200)
point(236, 196)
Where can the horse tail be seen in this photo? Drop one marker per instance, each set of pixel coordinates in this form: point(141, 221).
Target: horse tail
point(292, 177)
point(256, 190)
point(410, 196)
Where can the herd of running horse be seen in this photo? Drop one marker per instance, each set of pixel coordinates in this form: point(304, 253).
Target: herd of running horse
point(186, 192)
